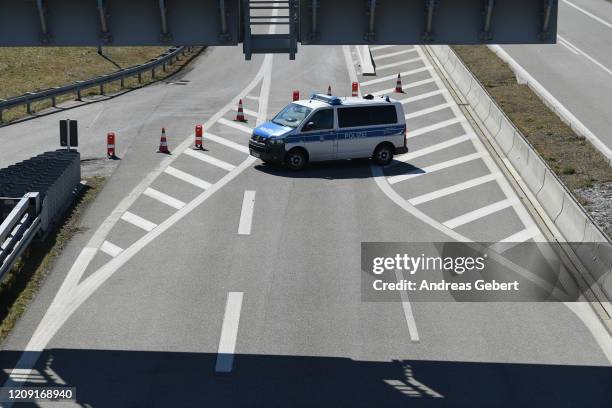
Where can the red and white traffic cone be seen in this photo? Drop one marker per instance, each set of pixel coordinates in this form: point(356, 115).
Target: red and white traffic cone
point(198, 137)
point(110, 145)
point(329, 92)
point(355, 92)
point(163, 143)
point(296, 96)
point(398, 85)
point(240, 115)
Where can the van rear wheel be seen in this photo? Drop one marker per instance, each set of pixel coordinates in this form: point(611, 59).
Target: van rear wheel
point(383, 154)
point(296, 159)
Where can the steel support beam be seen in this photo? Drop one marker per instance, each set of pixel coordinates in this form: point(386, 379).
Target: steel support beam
point(44, 36)
point(548, 9)
point(370, 35)
point(163, 14)
point(224, 35)
point(430, 7)
point(105, 34)
point(314, 35)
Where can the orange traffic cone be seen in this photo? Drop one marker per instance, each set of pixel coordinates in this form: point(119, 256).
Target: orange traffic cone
point(240, 115)
point(163, 143)
point(398, 85)
point(329, 92)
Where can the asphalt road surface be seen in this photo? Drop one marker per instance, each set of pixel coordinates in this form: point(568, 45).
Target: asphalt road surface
point(206, 278)
point(578, 70)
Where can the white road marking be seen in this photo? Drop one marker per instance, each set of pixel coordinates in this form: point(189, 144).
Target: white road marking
point(426, 111)
point(393, 54)
point(188, 178)
point(405, 86)
point(110, 249)
point(246, 215)
point(236, 125)
point(229, 333)
point(443, 192)
point(423, 96)
point(587, 56)
point(602, 336)
point(397, 64)
point(480, 213)
point(210, 160)
point(515, 239)
point(225, 142)
point(434, 148)
point(249, 112)
point(435, 167)
point(381, 47)
point(435, 126)
point(569, 47)
point(407, 307)
point(164, 198)
point(394, 76)
point(253, 98)
point(593, 16)
point(138, 221)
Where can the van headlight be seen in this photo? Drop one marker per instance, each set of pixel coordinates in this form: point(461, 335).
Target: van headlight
point(276, 142)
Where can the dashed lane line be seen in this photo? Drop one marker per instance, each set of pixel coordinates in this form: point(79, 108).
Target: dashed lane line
point(164, 198)
point(138, 221)
point(210, 160)
point(246, 215)
point(229, 333)
point(443, 192)
point(188, 178)
point(480, 213)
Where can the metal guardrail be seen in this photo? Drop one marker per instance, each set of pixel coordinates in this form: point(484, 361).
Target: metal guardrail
point(18, 230)
point(169, 57)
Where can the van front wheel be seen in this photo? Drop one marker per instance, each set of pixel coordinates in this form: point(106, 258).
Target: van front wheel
point(296, 159)
point(383, 154)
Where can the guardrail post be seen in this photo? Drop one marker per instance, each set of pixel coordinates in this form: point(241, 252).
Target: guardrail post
point(122, 82)
point(53, 101)
point(29, 108)
point(164, 67)
point(140, 77)
point(1, 120)
point(152, 72)
point(102, 89)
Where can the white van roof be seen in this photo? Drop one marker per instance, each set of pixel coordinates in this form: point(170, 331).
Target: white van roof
point(320, 100)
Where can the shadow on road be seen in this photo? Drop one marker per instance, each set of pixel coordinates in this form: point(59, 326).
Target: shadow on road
point(335, 170)
point(113, 378)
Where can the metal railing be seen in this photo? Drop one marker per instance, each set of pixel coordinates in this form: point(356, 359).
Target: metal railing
point(169, 57)
point(18, 230)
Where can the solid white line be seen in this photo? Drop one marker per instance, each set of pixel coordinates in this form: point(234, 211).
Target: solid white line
point(235, 125)
point(435, 126)
point(394, 76)
point(164, 198)
point(253, 98)
point(584, 311)
point(188, 178)
point(250, 112)
point(423, 96)
point(515, 239)
point(229, 333)
point(110, 249)
point(381, 47)
point(246, 215)
point(569, 47)
point(397, 64)
point(434, 148)
point(480, 213)
point(404, 87)
point(426, 111)
point(225, 142)
point(393, 54)
point(443, 192)
point(210, 160)
point(138, 221)
point(587, 56)
point(407, 307)
point(435, 167)
point(593, 16)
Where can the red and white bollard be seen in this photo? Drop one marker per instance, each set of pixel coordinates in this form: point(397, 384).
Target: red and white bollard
point(199, 131)
point(296, 96)
point(329, 91)
point(355, 91)
point(163, 143)
point(240, 115)
point(110, 145)
point(398, 84)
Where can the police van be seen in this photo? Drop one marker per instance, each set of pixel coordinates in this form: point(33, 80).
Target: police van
point(332, 128)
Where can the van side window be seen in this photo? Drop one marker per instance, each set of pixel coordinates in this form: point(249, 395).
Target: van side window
point(323, 120)
point(367, 116)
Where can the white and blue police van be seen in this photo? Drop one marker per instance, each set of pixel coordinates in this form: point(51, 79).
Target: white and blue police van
point(332, 128)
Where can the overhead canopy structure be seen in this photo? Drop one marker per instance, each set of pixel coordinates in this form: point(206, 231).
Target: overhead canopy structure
point(230, 22)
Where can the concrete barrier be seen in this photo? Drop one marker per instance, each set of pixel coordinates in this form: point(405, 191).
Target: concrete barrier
point(592, 247)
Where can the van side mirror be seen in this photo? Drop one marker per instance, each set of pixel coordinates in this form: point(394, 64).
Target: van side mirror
point(308, 126)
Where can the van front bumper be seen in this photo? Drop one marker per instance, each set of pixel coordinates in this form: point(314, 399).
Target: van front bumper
point(401, 150)
point(267, 153)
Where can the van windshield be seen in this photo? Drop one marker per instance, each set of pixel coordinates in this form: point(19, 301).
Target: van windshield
point(292, 115)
